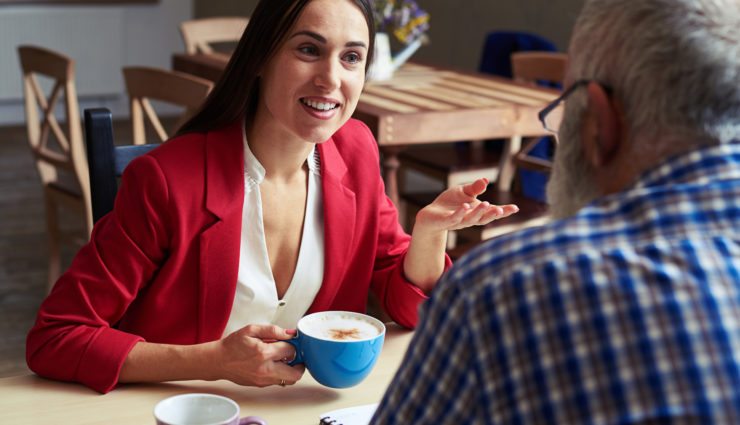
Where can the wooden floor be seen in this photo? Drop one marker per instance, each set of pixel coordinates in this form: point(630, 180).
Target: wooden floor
point(23, 246)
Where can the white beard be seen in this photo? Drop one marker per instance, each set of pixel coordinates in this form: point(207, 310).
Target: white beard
point(571, 185)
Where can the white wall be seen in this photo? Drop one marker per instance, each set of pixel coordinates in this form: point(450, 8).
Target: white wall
point(101, 40)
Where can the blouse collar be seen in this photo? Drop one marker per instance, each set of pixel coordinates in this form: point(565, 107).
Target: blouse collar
point(256, 172)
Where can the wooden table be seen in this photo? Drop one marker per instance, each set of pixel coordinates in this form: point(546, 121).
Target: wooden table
point(29, 399)
point(426, 104)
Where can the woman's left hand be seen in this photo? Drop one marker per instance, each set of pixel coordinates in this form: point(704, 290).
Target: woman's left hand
point(458, 207)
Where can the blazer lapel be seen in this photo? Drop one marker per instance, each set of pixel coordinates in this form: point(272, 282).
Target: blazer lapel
point(220, 242)
point(339, 223)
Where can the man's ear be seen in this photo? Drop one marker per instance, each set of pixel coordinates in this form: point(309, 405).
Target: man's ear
point(603, 132)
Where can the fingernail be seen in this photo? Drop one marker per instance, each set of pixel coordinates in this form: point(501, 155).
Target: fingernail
point(290, 331)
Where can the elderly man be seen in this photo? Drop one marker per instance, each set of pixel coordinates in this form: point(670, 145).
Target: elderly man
point(626, 310)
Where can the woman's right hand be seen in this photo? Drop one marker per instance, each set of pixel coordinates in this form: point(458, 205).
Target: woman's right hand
point(254, 356)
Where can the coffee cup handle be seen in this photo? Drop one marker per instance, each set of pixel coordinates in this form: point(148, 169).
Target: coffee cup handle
point(252, 420)
point(296, 343)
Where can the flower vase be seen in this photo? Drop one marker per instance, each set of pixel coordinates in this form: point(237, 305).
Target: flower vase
point(382, 67)
point(384, 64)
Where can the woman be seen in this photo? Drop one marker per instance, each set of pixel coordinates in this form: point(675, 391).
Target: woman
point(267, 206)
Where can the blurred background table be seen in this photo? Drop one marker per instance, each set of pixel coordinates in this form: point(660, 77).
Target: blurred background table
point(30, 399)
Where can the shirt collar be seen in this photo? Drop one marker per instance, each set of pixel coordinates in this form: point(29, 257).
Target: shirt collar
point(720, 162)
point(252, 166)
point(255, 171)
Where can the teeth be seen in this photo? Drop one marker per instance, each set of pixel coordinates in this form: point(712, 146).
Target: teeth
point(319, 105)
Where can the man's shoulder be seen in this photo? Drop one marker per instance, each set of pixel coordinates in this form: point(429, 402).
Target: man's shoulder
point(528, 254)
point(613, 233)
point(523, 246)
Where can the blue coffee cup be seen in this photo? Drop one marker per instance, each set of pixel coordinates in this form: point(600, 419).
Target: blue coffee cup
point(336, 353)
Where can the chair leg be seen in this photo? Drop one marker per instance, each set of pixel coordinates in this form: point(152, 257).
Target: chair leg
point(507, 168)
point(53, 234)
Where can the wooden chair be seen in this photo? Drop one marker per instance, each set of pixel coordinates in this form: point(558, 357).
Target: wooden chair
point(529, 67)
point(106, 161)
point(173, 87)
point(57, 149)
point(198, 34)
point(534, 68)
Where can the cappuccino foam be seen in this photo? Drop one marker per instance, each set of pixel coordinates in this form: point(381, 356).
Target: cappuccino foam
point(340, 328)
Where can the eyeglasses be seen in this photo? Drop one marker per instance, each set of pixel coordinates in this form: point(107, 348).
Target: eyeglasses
point(551, 124)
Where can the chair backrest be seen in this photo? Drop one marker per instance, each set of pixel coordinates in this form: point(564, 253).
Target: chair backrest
point(199, 33)
point(534, 67)
point(106, 160)
point(144, 83)
point(60, 159)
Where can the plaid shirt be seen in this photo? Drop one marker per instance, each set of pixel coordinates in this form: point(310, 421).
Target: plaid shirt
point(628, 312)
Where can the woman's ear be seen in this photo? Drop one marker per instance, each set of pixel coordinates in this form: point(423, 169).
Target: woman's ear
point(604, 131)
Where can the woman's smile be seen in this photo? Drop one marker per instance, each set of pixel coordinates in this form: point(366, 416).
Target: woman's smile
point(320, 108)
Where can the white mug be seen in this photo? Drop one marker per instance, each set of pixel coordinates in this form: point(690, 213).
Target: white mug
point(201, 409)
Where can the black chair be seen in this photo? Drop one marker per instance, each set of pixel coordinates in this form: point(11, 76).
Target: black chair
point(105, 160)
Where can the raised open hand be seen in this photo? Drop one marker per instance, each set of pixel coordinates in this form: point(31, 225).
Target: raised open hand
point(458, 207)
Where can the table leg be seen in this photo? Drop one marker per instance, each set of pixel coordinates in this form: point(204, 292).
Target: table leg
point(507, 168)
point(390, 164)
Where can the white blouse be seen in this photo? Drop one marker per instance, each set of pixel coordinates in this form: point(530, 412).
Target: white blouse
point(256, 300)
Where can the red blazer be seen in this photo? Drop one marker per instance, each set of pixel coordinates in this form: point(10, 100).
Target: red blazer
point(162, 267)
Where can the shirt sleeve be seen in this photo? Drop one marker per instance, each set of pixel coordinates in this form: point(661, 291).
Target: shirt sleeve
point(74, 338)
point(437, 382)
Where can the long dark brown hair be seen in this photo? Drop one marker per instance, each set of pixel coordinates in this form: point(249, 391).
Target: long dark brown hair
point(236, 93)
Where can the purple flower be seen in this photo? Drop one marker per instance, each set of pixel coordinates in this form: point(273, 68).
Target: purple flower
point(402, 18)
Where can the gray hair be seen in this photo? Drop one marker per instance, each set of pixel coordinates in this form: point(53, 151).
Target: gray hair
point(674, 64)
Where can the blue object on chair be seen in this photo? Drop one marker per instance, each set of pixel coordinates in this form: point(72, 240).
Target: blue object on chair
point(499, 46)
point(496, 59)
